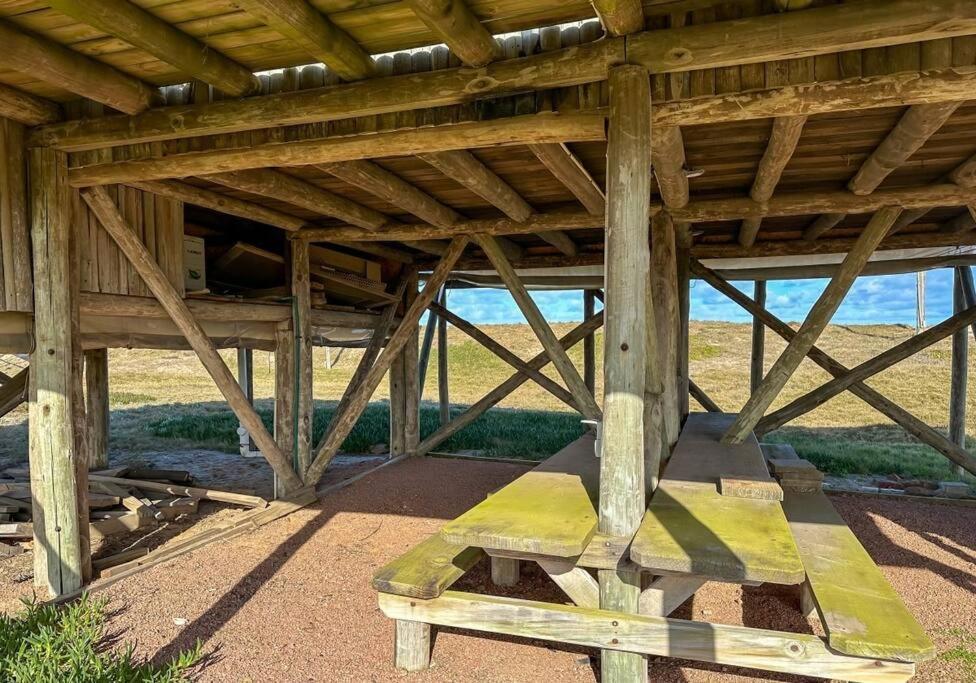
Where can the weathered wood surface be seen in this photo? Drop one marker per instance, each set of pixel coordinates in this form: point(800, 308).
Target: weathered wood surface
point(13, 392)
point(426, 570)
point(411, 645)
point(96, 407)
point(103, 207)
point(656, 636)
point(568, 169)
point(304, 370)
point(27, 109)
point(690, 528)
point(757, 361)
point(15, 246)
point(861, 612)
point(575, 582)
point(668, 593)
point(812, 327)
point(548, 511)
point(455, 24)
point(783, 139)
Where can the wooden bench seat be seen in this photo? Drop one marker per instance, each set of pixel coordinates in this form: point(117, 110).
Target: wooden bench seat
point(549, 511)
point(861, 612)
point(691, 528)
point(426, 570)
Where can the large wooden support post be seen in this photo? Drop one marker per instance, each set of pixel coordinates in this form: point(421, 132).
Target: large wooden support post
point(664, 292)
point(683, 239)
point(589, 343)
point(96, 407)
point(622, 495)
point(301, 291)
point(398, 408)
point(813, 326)
point(758, 338)
point(443, 385)
point(411, 374)
point(430, 329)
point(58, 460)
point(245, 377)
point(284, 407)
point(142, 261)
point(960, 368)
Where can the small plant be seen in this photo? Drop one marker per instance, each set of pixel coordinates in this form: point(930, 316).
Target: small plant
point(68, 643)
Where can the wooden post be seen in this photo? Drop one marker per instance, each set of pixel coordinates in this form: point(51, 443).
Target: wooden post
point(398, 406)
point(302, 325)
point(505, 571)
point(58, 462)
point(411, 375)
point(664, 292)
point(135, 251)
point(622, 495)
point(411, 645)
point(683, 241)
point(960, 369)
point(284, 407)
point(433, 324)
point(245, 377)
point(96, 407)
point(758, 339)
point(589, 344)
point(784, 367)
point(443, 386)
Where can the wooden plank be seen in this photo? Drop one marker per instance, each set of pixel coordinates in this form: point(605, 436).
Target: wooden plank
point(65, 68)
point(103, 207)
point(656, 636)
point(816, 320)
point(426, 570)
point(547, 511)
point(538, 323)
point(690, 528)
point(180, 491)
point(315, 33)
point(103, 563)
point(129, 22)
point(861, 612)
point(26, 108)
point(456, 25)
point(58, 464)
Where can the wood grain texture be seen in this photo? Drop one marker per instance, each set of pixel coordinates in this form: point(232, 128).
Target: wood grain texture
point(668, 159)
point(457, 26)
point(568, 169)
point(426, 570)
point(27, 109)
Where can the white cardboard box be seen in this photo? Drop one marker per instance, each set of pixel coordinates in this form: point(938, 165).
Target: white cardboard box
point(194, 264)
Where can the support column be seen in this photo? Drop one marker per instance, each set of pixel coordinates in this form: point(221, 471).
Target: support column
point(589, 343)
point(960, 369)
point(96, 407)
point(245, 377)
point(758, 338)
point(505, 571)
point(398, 405)
point(411, 645)
point(622, 495)
point(443, 385)
point(58, 462)
point(411, 375)
point(683, 240)
point(284, 413)
point(302, 323)
point(664, 293)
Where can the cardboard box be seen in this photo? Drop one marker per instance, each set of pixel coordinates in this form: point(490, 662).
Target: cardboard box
point(194, 264)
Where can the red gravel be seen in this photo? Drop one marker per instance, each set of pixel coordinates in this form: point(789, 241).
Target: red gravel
point(292, 602)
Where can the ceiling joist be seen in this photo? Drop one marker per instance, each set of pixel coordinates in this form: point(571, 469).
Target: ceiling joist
point(454, 23)
point(568, 170)
point(620, 17)
point(27, 109)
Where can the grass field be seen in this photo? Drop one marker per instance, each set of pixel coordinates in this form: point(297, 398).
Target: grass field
point(164, 400)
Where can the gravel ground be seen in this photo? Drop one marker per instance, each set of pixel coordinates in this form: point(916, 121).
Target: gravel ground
point(292, 602)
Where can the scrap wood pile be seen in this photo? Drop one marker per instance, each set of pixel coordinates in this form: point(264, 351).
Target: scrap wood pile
point(120, 500)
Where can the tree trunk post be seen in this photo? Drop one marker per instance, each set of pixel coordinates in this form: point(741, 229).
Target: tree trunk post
point(96, 407)
point(960, 369)
point(589, 343)
point(443, 385)
point(758, 338)
point(284, 407)
point(302, 326)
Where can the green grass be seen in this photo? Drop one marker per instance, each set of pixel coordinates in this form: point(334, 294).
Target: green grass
point(963, 653)
point(524, 434)
point(51, 644)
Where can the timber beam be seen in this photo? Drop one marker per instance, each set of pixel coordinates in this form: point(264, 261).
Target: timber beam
point(620, 17)
point(783, 139)
point(459, 28)
point(55, 64)
point(871, 23)
point(129, 22)
point(568, 170)
point(26, 108)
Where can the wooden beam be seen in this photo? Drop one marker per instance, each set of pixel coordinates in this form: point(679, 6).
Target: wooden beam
point(964, 222)
point(737, 646)
point(576, 582)
point(504, 354)
point(568, 170)
point(668, 159)
point(58, 462)
point(448, 137)
point(292, 190)
point(215, 201)
point(343, 424)
point(959, 372)
point(298, 21)
point(756, 364)
point(704, 399)
point(456, 25)
point(960, 320)
point(811, 329)
point(663, 291)
point(138, 27)
point(15, 218)
point(871, 23)
point(622, 464)
point(301, 293)
point(443, 384)
point(55, 64)
point(96, 408)
point(783, 138)
point(490, 399)
point(885, 406)
point(108, 215)
point(538, 323)
point(26, 108)
point(589, 344)
point(620, 17)
point(969, 292)
point(965, 173)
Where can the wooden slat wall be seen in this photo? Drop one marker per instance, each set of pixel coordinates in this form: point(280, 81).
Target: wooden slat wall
point(15, 270)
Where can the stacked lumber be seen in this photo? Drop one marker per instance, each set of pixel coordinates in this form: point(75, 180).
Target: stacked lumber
point(797, 475)
point(120, 500)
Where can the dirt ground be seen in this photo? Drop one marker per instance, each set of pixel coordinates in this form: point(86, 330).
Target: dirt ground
point(292, 602)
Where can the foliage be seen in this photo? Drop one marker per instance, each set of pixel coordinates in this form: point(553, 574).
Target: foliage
point(68, 644)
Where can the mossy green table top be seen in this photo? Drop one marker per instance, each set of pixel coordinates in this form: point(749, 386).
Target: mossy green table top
point(861, 612)
point(691, 528)
point(549, 511)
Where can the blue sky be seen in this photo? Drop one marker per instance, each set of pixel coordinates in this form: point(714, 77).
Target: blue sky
point(875, 299)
